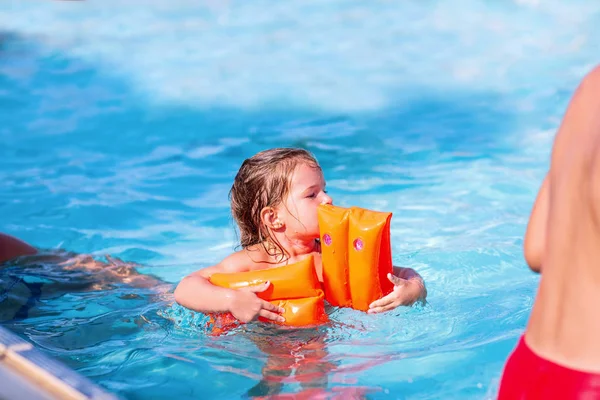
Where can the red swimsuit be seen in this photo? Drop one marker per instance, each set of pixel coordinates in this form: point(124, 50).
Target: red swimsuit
point(527, 376)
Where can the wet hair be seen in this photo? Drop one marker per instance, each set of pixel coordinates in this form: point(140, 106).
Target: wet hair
point(264, 180)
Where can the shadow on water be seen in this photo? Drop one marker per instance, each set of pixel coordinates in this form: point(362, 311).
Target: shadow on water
point(64, 118)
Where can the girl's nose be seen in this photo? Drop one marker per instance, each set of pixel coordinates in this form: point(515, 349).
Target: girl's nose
point(326, 199)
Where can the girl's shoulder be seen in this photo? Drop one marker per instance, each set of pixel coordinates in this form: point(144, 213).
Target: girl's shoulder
point(250, 259)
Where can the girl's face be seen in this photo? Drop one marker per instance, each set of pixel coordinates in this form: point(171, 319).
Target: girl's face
point(299, 210)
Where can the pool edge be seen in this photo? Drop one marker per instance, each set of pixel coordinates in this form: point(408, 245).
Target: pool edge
point(42, 375)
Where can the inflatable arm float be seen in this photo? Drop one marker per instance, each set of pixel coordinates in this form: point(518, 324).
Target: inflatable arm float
point(356, 255)
point(295, 288)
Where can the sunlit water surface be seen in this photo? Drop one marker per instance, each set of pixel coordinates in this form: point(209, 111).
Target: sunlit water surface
point(124, 123)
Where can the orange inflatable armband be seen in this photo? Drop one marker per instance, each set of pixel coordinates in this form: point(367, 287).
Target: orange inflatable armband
point(294, 287)
point(356, 255)
point(333, 224)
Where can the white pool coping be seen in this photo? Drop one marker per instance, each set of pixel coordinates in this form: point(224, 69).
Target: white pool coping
point(26, 373)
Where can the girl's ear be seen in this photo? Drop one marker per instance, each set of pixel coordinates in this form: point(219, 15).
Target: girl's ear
point(268, 216)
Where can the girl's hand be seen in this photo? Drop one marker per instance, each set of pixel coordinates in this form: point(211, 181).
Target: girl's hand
point(406, 292)
point(247, 306)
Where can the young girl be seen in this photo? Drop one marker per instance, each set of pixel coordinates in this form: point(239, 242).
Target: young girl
point(274, 201)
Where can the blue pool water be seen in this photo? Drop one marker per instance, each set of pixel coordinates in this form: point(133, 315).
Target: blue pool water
point(123, 124)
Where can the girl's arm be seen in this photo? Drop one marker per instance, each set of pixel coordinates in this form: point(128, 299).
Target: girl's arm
point(197, 293)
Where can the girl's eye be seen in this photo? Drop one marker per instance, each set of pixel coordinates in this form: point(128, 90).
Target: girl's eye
point(311, 196)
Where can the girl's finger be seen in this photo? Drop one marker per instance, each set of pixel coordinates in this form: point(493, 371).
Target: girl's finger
point(271, 315)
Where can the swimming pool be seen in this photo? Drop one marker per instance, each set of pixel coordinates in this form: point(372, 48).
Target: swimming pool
point(125, 124)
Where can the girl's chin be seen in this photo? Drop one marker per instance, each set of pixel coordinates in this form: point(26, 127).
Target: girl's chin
point(311, 237)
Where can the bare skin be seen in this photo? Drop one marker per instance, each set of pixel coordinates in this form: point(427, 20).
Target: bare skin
point(563, 239)
point(535, 235)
